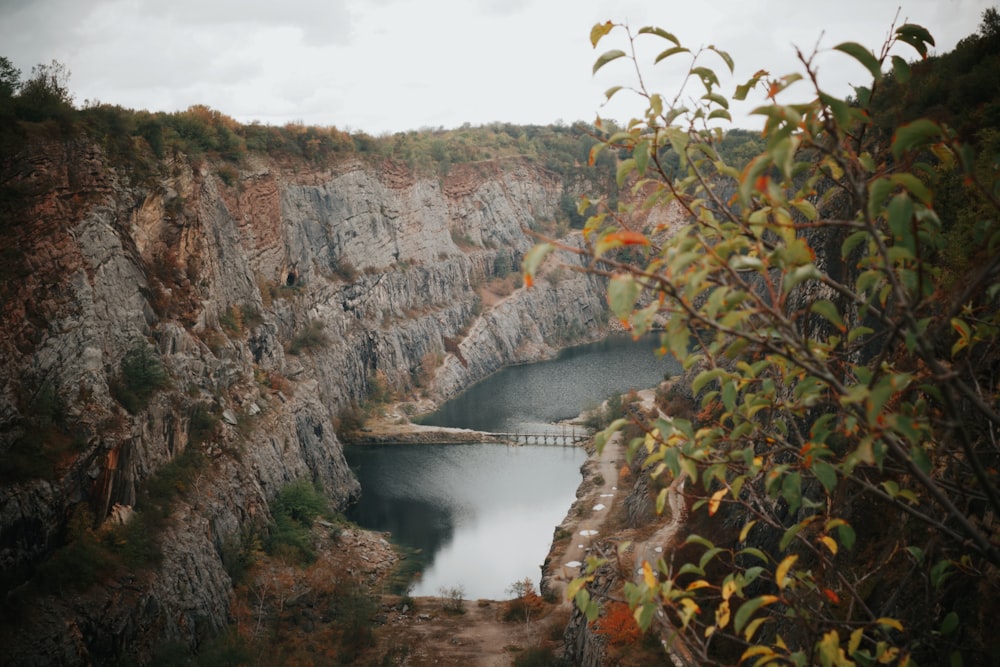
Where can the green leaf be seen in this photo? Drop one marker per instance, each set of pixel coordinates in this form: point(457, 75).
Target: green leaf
point(851, 242)
point(625, 167)
point(789, 535)
point(609, 93)
point(707, 76)
point(916, 36)
point(791, 491)
point(720, 113)
point(749, 608)
point(840, 109)
point(863, 56)
point(725, 57)
point(826, 474)
point(717, 98)
point(744, 89)
point(878, 190)
point(920, 458)
point(914, 186)
point(582, 598)
point(729, 396)
point(641, 155)
point(826, 309)
point(698, 539)
point(900, 215)
point(606, 57)
point(670, 52)
point(535, 256)
point(949, 624)
point(659, 32)
point(704, 378)
point(623, 290)
point(912, 135)
point(846, 534)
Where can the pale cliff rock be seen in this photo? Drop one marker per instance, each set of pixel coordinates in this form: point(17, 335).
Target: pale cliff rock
point(219, 280)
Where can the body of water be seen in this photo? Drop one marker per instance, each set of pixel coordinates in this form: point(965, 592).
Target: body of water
point(482, 516)
point(518, 397)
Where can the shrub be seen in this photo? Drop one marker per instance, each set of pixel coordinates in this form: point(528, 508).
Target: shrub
point(142, 375)
point(293, 510)
point(345, 270)
point(618, 624)
point(844, 365)
point(454, 602)
point(312, 336)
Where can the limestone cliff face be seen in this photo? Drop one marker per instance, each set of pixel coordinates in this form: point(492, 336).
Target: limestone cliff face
point(273, 295)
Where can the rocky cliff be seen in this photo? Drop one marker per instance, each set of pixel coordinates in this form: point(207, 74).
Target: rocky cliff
point(181, 337)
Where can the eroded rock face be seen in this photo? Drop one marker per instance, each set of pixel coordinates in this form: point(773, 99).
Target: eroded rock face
point(272, 301)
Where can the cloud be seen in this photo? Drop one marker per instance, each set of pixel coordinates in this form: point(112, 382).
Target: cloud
point(388, 65)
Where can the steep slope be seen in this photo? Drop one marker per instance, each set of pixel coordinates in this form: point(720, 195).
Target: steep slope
point(180, 339)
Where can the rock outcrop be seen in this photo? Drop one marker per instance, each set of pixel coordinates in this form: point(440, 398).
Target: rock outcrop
point(154, 308)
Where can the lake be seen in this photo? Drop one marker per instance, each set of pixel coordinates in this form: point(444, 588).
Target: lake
point(482, 516)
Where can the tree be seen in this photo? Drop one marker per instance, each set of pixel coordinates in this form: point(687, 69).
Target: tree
point(10, 78)
point(843, 470)
point(46, 94)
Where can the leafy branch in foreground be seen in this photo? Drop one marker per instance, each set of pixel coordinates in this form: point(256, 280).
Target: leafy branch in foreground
point(842, 475)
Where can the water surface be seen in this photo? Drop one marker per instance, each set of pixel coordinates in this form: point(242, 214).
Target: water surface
point(518, 397)
point(483, 515)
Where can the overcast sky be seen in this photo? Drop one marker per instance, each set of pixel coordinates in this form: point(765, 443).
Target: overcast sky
point(390, 65)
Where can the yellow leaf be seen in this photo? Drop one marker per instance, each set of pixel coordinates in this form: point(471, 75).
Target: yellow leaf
point(757, 650)
point(781, 574)
point(746, 530)
point(829, 543)
point(695, 585)
point(752, 627)
point(728, 589)
point(855, 642)
point(713, 503)
point(647, 575)
point(891, 622)
point(722, 614)
point(890, 655)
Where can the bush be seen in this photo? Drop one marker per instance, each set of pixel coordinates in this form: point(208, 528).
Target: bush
point(293, 510)
point(310, 337)
point(142, 375)
point(843, 362)
point(454, 602)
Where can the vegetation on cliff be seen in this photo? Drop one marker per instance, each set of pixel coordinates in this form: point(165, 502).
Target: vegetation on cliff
point(834, 302)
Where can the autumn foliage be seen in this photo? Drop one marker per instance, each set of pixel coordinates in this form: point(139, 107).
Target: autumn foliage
point(617, 624)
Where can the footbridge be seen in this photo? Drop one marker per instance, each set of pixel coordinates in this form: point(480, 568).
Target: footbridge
point(565, 438)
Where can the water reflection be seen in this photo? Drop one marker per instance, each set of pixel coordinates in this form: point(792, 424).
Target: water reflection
point(483, 515)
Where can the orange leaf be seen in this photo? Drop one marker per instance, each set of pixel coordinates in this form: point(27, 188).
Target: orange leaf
point(831, 596)
point(627, 237)
point(528, 280)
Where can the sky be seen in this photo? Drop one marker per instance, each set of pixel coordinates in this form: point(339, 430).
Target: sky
point(384, 66)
